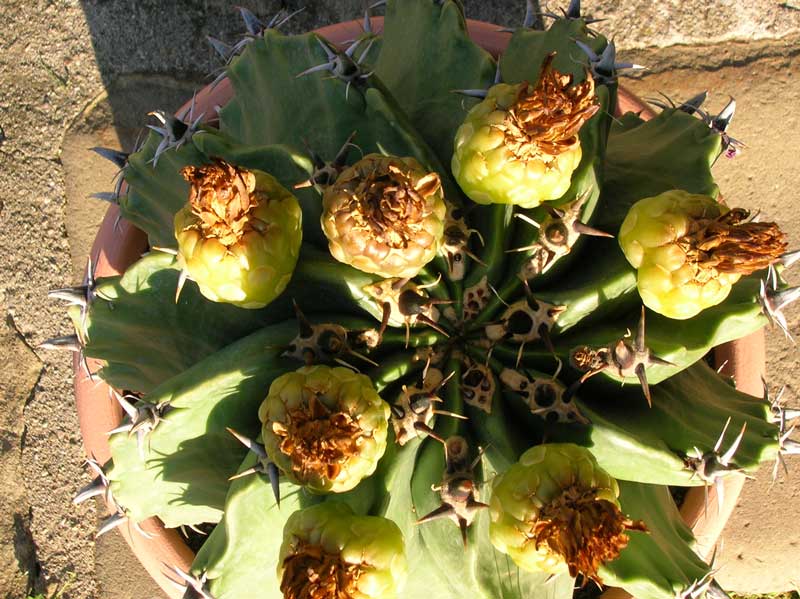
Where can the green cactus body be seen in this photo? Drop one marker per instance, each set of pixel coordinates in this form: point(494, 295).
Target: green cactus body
point(672, 567)
point(179, 470)
point(598, 294)
point(155, 192)
point(344, 286)
point(162, 339)
point(679, 147)
point(541, 254)
point(242, 551)
point(671, 426)
point(451, 406)
point(426, 54)
point(680, 343)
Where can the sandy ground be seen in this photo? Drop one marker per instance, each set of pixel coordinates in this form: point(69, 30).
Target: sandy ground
point(78, 74)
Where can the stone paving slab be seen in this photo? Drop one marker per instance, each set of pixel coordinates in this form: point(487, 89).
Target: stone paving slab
point(69, 75)
point(19, 371)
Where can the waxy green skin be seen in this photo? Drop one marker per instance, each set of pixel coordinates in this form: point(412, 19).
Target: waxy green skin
point(182, 476)
point(145, 340)
point(682, 343)
point(213, 363)
point(421, 44)
point(647, 566)
point(150, 202)
point(673, 427)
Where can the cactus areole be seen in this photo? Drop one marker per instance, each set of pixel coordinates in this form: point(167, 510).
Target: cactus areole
point(376, 345)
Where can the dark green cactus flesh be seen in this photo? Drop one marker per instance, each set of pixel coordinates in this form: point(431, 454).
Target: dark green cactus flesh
point(516, 335)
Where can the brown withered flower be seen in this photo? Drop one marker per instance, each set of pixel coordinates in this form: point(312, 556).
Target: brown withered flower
point(318, 440)
point(732, 243)
point(222, 198)
point(312, 573)
point(584, 530)
point(545, 119)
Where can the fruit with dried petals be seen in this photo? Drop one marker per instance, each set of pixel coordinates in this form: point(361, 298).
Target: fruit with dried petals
point(324, 427)
point(328, 552)
point(556, 510)
point(520, 144)
point(385, 215)
point(239, 234)
point(690, 249)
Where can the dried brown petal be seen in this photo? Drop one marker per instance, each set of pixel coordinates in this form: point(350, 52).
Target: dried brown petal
point(222, 198)
point(733, 244)
point(317, 440)
point(545, 119)
point(584, 530)
point(311, 573)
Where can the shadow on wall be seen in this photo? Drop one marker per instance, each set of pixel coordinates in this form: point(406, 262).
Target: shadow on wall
point(152, 54)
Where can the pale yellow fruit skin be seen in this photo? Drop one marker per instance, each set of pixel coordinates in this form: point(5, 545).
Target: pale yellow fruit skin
point(489, 173)
point(666, 280)
point(370, 540)
point(340, 389)
point(539, 477)
point(254, 271)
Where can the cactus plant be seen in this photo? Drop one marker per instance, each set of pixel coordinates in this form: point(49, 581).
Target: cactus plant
point(367, 345)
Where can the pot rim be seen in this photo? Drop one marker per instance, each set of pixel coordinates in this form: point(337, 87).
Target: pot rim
point(118, 244)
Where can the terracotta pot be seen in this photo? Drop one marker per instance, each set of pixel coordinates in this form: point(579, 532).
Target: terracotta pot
point(117, 248)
